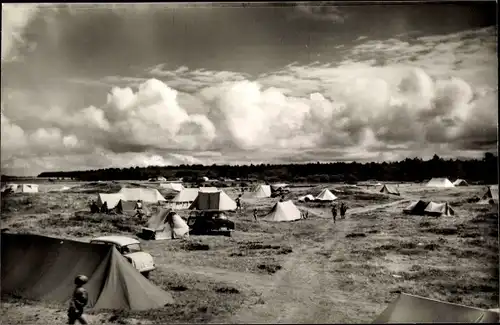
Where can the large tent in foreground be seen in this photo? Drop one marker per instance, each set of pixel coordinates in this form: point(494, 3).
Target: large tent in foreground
point(414, 309)
point(283, 211)
point(166, 224)
point(389, 189)
point(325, 195)
point(44, 268)
point(460, 182)
point(262, 191)
point(210, 200)
point(416, 207)
point(440, 182)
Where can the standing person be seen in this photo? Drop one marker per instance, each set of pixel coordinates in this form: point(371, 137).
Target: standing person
point(104, 208)
point(343, 209)
point(334, 212)
point(238, 203)
point(78, 301)
point(255, 214)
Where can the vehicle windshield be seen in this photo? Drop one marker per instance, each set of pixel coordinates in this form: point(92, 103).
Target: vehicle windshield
point(132, 248)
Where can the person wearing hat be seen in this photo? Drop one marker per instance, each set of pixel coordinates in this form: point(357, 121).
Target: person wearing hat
point(78, 301)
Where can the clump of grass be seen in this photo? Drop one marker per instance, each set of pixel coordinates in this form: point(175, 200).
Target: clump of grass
point(195, 246)
point(224, 289)
point(355, 235)
point(447, 231)
point(269, 268)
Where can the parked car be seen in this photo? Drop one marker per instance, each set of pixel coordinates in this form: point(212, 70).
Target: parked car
point(131, 249)
point(209, 222)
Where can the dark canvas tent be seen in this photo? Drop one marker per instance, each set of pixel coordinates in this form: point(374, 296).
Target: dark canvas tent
point(413, 309)
point(416, 208)
point(389, 189)
point(44, 268)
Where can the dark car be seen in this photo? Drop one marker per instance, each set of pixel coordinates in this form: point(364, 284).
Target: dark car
point(209, 222)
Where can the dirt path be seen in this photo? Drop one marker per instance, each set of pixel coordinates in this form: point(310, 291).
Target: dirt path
point(305, 291)
point(244, 280)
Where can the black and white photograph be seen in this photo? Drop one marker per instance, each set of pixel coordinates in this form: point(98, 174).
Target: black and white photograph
point(249, 162)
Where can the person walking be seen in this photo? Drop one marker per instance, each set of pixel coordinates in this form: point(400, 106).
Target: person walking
point(334, 212)
point(78, 301)
point(343, 210)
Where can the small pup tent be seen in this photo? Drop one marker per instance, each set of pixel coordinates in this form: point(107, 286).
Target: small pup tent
point(210, 200)
point(414, 309)
point(460, 182)
point(148, 195)
point(262, 191)
point(116, 203)
point(283, 211)
point(440, 182)
point(389, 189)
point(439, 209)
point(177, 187)
point(44, 268)
point(20, 188)
point(166, 224)
point(416, 208)
point(306, 198)
point(325, 195)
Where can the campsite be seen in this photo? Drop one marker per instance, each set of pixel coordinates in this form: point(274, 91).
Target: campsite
point(292, 264)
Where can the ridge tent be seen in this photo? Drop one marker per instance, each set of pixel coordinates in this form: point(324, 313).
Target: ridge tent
point(491, 194)
point(209, 200)
point(306, 198)
point(173, 186)
point(112, 200)
point(414, 309)
point(128, 208)
point(460, 182)
point(277, 186)
point(262, 191)
point(162, 224)
point(149, 195)
point(416, 208)
point(44, 268)
point(440, 182)
point(21, 188)
point(184, 198)
point(388, 189)
point(325, 195)
point(439, 209)
point(283, 211)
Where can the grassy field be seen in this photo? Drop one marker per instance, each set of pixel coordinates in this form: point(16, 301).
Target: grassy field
point(305, 271)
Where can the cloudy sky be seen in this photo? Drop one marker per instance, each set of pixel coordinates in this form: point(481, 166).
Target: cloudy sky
point(93, 86)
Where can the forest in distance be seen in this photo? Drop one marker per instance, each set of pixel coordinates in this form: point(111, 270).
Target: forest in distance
point(481, 171)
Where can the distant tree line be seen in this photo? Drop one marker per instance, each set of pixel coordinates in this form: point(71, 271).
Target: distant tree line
point(483, 170)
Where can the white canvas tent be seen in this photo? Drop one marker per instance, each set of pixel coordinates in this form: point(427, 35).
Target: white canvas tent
point(491, 194)
point(306, 198)
point(116, 202)
point(439, 209)
point(283, 211)
point(388, 189)
point(184, 198)
point(166, 224)
point(21, 188)
point(173, 186)
point(440, 182)
point(112, 200)
point(460, 182)
point(262, 191)
point(211, 200)
point(277, 186)
point(148, 195)
point(326, 195)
